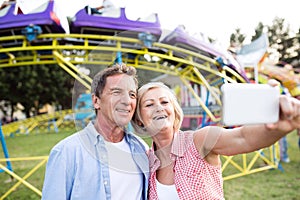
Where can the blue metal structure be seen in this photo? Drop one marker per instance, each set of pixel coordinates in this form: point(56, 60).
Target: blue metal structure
point(31, 32)
point(5, 151)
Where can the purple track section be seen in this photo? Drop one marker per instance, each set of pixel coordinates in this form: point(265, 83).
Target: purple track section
point(10, 21)
point(118, 24)
point(180, 38)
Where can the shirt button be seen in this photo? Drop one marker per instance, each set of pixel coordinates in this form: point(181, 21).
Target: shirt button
point(105, 182)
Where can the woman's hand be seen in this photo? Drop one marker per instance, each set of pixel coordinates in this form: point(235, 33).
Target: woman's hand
point(289, 118)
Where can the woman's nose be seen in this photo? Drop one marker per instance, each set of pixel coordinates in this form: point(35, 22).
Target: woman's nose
point(159, 108)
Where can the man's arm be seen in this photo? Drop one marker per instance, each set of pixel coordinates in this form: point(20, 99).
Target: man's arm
point(56, 183)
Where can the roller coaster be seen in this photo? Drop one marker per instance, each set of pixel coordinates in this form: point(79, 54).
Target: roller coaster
point(198, 67)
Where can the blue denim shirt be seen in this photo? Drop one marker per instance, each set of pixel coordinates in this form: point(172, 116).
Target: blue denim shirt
point(77, 167)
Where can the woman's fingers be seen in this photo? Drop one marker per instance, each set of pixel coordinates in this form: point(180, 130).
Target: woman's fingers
point(286, 107)
point(273, 82)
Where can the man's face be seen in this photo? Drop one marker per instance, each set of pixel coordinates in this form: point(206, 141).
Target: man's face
point(118, 100)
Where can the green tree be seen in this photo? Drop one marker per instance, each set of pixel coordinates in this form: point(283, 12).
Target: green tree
point(292, 49)
point(281, 45)
point(295, 59)
point(237, 38)
point(35, 86)
point(259, 30)
point(278, 32)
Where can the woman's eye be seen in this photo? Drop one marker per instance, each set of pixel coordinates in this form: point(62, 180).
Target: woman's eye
point(164, 102)
point(148, 105)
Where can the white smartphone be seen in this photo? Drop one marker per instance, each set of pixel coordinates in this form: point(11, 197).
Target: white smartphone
point(247, 103)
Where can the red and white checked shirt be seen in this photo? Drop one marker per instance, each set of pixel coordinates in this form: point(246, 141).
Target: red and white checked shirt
point(194, 177)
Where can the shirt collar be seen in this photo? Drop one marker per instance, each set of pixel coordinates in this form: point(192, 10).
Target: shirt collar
point(180, 143)
point(96, 137)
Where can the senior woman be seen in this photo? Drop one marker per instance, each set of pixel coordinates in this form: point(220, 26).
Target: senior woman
point(186, 164)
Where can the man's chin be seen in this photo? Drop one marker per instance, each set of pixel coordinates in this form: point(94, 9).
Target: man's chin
point(123, 120)
point(122, 123)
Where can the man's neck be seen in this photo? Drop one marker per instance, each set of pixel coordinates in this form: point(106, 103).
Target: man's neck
point(109, 133)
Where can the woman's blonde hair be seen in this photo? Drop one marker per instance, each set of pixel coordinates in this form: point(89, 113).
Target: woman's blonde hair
point(137, 120)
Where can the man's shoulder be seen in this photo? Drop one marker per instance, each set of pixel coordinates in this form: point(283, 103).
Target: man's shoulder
point(68, 142)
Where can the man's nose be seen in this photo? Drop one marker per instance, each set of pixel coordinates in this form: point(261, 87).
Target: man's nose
point(125, 99)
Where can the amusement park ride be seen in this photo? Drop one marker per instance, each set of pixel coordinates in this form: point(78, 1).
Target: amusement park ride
point(100, 40)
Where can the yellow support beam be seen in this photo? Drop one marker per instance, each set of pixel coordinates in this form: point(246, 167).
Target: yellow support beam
point(22, 180)
point(27, 125)
point(202, 104)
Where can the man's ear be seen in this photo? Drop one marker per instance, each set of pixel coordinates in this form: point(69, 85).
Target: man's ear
point(96, 102)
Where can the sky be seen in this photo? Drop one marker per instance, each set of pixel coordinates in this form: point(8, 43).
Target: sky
point(216, 19)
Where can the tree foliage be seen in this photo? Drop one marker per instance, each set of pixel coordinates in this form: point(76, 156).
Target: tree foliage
point(259, 30)
point(237, 38)
point(278, 32)
point(282, 46)
point(35, 86)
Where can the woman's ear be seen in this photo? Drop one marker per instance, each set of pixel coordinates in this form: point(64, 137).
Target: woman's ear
point(96, 102)
point(139, 123)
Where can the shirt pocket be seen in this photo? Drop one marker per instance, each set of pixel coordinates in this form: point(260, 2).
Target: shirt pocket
point(194, 176)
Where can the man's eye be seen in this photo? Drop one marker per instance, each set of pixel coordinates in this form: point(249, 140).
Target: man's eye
point(132, 95)
point(116, 92)
point(148, 105)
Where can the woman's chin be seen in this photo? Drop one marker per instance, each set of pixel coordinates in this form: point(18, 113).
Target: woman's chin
point(157, 129)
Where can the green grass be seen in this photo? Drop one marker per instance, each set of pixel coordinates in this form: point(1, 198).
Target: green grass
point(270, 184)
point(25, 146)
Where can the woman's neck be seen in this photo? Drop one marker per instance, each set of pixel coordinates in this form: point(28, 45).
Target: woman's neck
point(162, 144)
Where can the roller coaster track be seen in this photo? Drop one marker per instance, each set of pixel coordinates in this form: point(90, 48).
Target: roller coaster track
point(103, 50)
point(53, 49)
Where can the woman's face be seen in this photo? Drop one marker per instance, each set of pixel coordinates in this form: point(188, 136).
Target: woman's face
point(157, 111)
